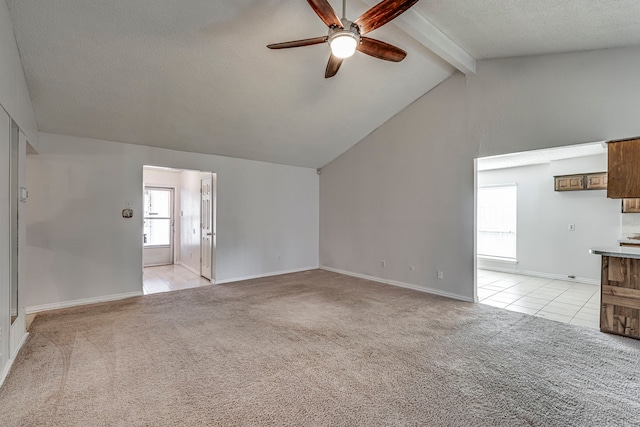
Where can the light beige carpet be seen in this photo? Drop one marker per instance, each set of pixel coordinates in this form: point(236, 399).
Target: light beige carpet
point(316, 348)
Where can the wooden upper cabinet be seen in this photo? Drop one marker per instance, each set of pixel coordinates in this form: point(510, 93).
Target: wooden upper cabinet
point(587, 181)
point(597, 181)
point(624, 169)
point(631, 206)
point(569, 183)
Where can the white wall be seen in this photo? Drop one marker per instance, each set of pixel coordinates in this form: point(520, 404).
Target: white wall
point(80, 248)
point(403, 195)
point(519, 104)
point(14, 98)
point(545, 246)
point(405, 192)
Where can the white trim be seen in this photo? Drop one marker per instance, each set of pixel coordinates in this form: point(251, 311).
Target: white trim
point(188, 267)
point(6, 370)
point(497, 259)
point(399, 284)
point(20, 344)
point(421, 29)
point(83, 301)
point(543, 275)
point(9, 364)
point(506, 184)
point(259, 276)
point(475, 231)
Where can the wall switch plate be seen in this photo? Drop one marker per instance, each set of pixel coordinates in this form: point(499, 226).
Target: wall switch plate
point(383, 264)
point(572, 227)
point(440, 274)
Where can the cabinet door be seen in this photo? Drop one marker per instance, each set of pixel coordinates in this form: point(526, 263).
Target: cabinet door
point(630, 205)
point(597, 181)
point(624, 173)
point(569, 183)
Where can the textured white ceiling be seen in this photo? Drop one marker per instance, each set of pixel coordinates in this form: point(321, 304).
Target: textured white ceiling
point(195, 75)
point(501, 28)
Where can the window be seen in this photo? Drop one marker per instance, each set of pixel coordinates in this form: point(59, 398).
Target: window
point(497, 220)
point(157, 217)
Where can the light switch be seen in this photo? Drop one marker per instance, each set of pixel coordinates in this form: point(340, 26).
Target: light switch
point(572, 227)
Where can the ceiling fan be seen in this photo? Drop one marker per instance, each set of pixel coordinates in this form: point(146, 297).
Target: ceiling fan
point(345, 37)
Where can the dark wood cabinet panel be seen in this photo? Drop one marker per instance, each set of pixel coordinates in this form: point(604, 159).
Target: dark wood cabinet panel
point(620, 296)
point(624, 169)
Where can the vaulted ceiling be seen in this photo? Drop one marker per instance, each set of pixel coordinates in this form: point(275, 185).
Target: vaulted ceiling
point(195, 75)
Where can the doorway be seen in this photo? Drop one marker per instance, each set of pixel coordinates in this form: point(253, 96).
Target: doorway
point(532, 240)
point(179, 228)
point(158, 233)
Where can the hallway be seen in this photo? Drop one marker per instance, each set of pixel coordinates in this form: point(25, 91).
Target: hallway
point(165, 278)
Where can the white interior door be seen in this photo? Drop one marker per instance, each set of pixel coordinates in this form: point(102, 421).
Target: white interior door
point(158, 226)
point(206, 225)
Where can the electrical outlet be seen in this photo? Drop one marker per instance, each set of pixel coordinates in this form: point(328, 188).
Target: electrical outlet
point(440, 274)
point(383, 264)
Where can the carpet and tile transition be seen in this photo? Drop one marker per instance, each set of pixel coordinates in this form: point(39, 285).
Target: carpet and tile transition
point(316, 348)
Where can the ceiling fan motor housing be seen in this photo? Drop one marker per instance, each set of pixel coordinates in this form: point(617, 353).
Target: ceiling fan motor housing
point(347, 38)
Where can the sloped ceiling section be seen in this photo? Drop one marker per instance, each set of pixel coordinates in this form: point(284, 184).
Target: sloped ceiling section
point(195, 75)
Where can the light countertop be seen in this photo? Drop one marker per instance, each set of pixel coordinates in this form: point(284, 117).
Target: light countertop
point(616, 251)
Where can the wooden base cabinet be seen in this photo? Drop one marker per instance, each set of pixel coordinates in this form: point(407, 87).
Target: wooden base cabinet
point(620, 296)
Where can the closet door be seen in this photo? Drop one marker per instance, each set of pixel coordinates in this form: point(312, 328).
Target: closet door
point(5, 236)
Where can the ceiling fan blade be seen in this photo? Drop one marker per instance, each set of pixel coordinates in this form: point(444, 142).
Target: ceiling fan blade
point(326, 13)
point(382, 13)
point(332, 66)
point(381, 50)
point(298, 43)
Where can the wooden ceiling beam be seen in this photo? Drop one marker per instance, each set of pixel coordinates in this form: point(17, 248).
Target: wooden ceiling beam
point(421, 29)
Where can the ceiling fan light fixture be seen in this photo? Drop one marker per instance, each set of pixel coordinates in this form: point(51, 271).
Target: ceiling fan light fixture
point(343, 44)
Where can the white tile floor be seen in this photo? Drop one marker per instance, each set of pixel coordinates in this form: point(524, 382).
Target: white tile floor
point(165, 278)
point(568, 302)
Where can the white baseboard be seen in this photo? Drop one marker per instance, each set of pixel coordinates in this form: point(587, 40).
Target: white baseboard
point(259, 276)
point(21, 343)
point(543, 275)
point(188, 267)
point(5, 371)
point(77, 302)
point(7, 368)
point(399, 284)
